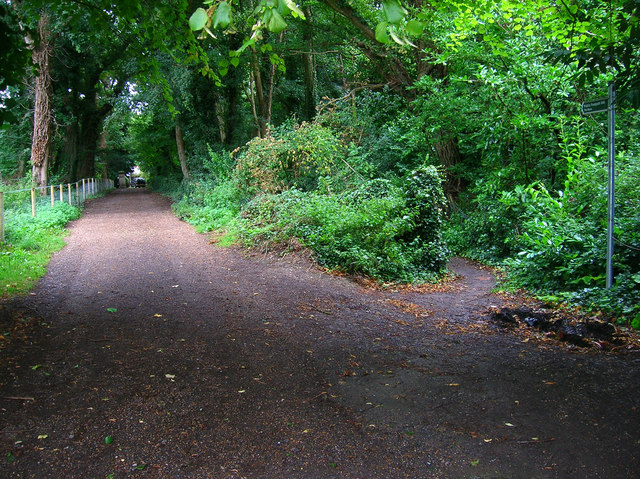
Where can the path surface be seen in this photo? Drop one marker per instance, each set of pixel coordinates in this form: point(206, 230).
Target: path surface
point(215, 364)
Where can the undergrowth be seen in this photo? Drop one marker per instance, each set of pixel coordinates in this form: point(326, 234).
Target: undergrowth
point(303, 184)
point(29, 243)
point(553, 243)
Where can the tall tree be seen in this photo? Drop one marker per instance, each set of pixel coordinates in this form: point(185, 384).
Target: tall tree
point(42, 125)
point(182, 154)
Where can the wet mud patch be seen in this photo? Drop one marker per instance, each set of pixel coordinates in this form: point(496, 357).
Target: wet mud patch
point(574, 329)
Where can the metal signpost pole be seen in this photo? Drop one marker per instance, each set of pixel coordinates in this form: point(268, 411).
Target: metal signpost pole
point(598, 105)
point(612, 182)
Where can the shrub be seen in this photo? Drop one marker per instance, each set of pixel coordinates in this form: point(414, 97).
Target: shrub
point(288, 159)
point(208, 205)
point(382, 230)
point(490, 231)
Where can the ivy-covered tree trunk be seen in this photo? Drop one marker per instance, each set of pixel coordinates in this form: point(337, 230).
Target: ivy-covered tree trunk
point(41, 140)
point(182, 154)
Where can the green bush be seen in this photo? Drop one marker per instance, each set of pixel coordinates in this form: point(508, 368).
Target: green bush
point(295, 158)
point(489, 231)
point(381, 230)
point(554, 243)
point(210, 206)
point(302, 183)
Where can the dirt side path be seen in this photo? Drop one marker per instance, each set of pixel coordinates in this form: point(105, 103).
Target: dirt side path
point(201, 362)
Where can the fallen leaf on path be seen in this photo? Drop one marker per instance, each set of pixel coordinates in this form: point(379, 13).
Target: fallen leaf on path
point(157, 315)
point(43, 436)
point(170, 376)
point(112, 310)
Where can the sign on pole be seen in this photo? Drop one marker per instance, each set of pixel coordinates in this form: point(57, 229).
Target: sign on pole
point(600, 105)
point(595, 106)
point(612, 183)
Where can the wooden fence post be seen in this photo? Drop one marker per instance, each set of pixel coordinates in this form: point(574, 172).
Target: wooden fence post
point(84, 191)
point(33, 202)
point(61, 194)
point(53, 197)
point(69, 194)
point(1, 217)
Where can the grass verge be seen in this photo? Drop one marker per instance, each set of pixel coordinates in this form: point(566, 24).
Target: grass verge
point(29, 244)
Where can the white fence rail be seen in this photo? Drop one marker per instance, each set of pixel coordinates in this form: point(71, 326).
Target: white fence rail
point(13, 201)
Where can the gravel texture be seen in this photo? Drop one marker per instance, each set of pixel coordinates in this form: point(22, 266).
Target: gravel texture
point(146, 351)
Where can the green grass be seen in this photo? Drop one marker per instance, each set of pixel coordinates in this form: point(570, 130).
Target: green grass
point(29, 244)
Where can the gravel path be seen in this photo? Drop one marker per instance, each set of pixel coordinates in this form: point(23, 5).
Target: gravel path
point(154, 353)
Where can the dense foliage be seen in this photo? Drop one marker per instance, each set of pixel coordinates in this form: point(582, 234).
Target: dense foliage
point(298, 185)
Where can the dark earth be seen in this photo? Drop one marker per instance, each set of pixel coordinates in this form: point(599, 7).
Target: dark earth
point(147, 351)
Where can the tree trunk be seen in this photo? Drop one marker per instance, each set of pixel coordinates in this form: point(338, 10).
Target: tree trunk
point(182, 155)
point(309, 67)
point(69, 152)
point(41, 140)
point(252, 100)
point(222, 120)
point(90, 129)
point(260, 103)
point(448, 153)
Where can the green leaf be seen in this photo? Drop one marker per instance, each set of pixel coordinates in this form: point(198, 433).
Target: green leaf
point(294, 9)
point(415, 28)
point(235, 61)
point(381, 33)
point(198, 20)
point(393, 11)
point(112, 310)
point(108, 440)
point(222, 15)
point(276, 23)
point(282, 8)
point(248, 42)
point(141, 467)
point(275, 59)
